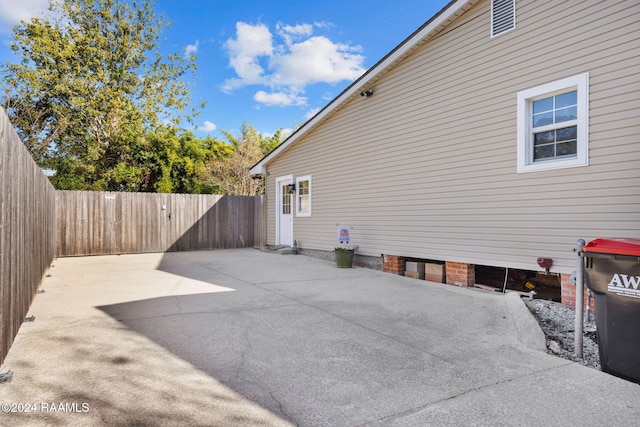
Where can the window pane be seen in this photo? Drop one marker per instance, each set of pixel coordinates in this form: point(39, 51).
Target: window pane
point(566, 114)
point(543, 138)
point(555, 109)
point(304, 203)
point(542, 105)
point(542, 119)
point(303, 187)
point(565, 134)
point(566, 148)
point(568, 99)
point(543, 152)
point(555, 143)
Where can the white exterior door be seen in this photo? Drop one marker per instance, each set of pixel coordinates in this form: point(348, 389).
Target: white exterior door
point(284, 217)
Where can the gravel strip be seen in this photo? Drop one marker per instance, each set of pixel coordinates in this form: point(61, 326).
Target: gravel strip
point(558, 324)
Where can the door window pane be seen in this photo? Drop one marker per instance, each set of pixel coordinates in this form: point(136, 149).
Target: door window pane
point(286, 201)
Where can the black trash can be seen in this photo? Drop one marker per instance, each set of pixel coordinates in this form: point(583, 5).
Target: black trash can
point(612, 272)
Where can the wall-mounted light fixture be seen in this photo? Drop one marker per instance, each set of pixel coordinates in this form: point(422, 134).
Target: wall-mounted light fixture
point(291, 188)
point(367, 92)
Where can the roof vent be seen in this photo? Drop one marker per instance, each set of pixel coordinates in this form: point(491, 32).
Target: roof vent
point(503, 16)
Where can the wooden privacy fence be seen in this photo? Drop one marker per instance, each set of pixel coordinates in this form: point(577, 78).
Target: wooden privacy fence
point(100, 223)
point(27, 231)
point(38, 222)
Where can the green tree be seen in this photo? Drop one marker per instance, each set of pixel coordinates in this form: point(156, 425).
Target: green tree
point(175, 162)
point(90, 87)
point(231, 173)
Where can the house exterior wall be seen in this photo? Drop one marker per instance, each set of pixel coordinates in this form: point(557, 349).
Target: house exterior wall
point(426, 167)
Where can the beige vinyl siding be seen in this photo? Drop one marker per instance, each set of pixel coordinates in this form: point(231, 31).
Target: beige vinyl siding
point(426, 167)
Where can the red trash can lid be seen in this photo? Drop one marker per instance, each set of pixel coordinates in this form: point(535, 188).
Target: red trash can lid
point(620, 246)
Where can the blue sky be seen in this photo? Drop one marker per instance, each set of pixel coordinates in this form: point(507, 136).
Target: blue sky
point(270, 63)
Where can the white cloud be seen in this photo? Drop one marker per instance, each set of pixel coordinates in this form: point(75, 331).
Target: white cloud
point(289, 33)
point(315, 60)
point(312, 113)
point(12, 11)
point(299, 30)
point(279, 98)
point(286, 132)
point(207, 126)
point(252, 42)
point(323, 24)
point(191, 49)
point(286, 67)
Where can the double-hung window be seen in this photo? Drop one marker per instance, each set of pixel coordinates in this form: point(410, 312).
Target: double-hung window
point(303, 196)
point(553, 125)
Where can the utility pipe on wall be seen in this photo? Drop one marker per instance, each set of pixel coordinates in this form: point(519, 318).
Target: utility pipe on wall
point(579, 326)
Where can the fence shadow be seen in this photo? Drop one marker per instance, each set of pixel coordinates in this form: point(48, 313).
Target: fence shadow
point(232, 222)
point(205, 335)
point(105, 223)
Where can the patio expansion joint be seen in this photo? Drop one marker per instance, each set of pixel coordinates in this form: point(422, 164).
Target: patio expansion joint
point(417, 409)
point(322, 279)
point(226, 310)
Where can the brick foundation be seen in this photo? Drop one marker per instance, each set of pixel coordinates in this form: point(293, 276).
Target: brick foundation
point(464, 275)
point(568, 292)
point(393, 264)
point(456, 273)
point(460, 274)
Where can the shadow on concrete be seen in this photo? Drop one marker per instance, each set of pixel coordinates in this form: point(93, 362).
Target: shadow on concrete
point(113, 353)
point(126, 378)
point(233, 222)
point(209, 332)
point(297, 341)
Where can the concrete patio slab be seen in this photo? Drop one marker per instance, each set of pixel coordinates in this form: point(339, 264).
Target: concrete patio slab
point(243, 337)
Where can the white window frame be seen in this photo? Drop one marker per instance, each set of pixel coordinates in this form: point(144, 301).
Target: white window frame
point(580, 83)
point(300, 212)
